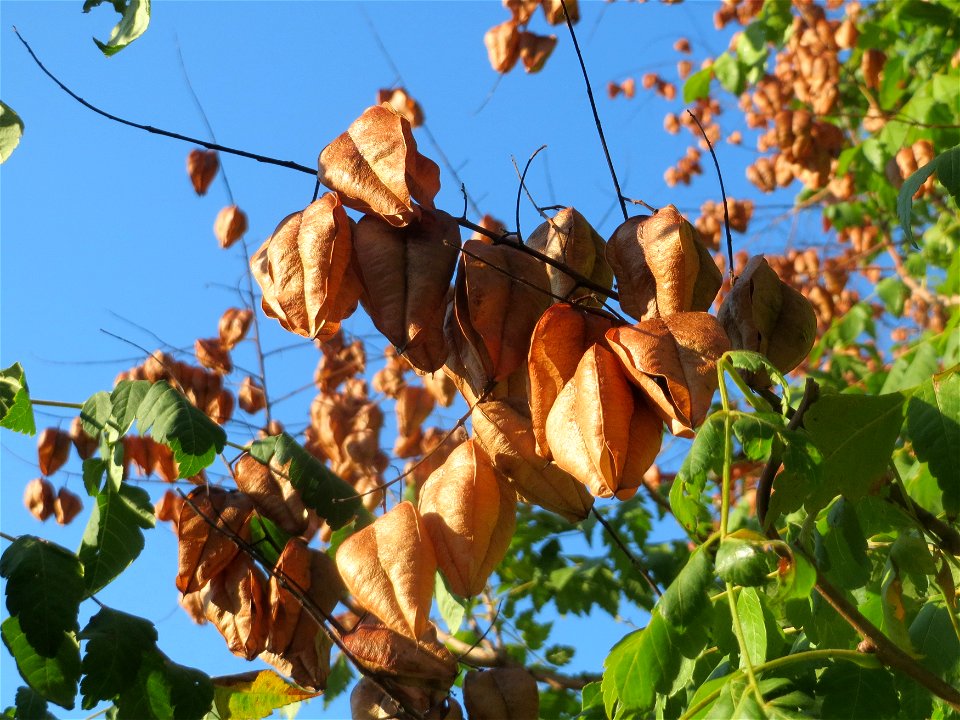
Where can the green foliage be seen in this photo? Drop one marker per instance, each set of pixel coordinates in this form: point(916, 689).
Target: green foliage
point(16, 411)
point(116, 645)
point(53, 676)
point(933, 424)
point(163, 689)
point(947, 167)
point(11, 130)
point(253, 695)
point(134, 19)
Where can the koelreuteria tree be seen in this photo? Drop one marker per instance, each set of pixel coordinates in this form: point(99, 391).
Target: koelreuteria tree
point(819, 496)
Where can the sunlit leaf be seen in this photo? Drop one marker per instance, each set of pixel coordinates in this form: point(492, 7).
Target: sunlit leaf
point(54, 677)
point(686, 597)
point(947, 167)
point(16, 410)
point(135, 17)
point(11, 130)
point(254, 695)
point(642, 664)
point(933, 423)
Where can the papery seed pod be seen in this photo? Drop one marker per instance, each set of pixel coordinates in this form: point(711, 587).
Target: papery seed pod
point(202, 166)
point(85, 445)
point(503, 46)
point(682, 45)
point(521, 10)
point(384, 652)
point(168, 507)
point(204, 551)
point(212, 355)
point(414, 404)
point(440, 387)
point(220, 407)
point(470, 515)
point(535, 50)
point(230, 225)
point(569, 239)
point(305, 270)
point(233, 326)
point(401, 101)
point(250, 396)
point(505, 693)
point(235, 601)
point(376, 168)
point(553, 10)
point(272, 494)
point(38, 498)
point(393, 580)
point(871, 64)
point(53, 450)
point(66, 506)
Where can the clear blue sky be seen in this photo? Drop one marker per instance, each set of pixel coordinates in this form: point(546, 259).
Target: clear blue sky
point(101, 230)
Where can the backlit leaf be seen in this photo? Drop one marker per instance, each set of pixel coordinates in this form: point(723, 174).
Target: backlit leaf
point(947, 167)
point(686, 597)
point(640, 665)
point(16, 411)
point(933, 423)
point(54, 677)
point(11, 130)
point(254, 695)
point(750, 612)
point(705, 456)
point(135, 17)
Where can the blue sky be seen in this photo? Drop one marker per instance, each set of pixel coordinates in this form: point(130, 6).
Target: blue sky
point(100, 229)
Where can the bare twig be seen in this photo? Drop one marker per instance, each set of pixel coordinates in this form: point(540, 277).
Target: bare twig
point(723, 193)
point(626, 551)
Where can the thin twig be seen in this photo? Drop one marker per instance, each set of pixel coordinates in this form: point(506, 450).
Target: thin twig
point(723, 193)
point(626, 551)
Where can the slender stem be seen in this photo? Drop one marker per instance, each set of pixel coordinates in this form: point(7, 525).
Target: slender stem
point(56, 403)
point(723, 194)
point(626, 551)
point(8, 538)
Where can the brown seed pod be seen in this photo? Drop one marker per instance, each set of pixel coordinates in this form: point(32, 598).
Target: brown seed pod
point(233, 326)
point(85, 445)
point(202, 166)
point(38, 498)
point(505, 693)
point(230, 225)
point(251, 397)
point(212, 355)
point(53, 450)
point(568, 238)
point(503, 46)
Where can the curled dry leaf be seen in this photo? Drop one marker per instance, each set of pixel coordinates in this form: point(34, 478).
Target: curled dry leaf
point(559, 340)
point(272, 494)
point(601, 430)
point(568, 238)
point(535, 50)
point(305, 270)
point(423, 663)
point(661, 266)
point(504, 693)
point(389, 568)
point(202, 166)
point(38, 498)
point(168, 507)
point(230, 225)
point(212, 355)
point(470, 515)
point(503, 46)
point(205, 546)
point(377, 169)
point(251, 397)
point(764, 314)
point(502, 430)
point(414, 405)
point(53, 450)
point(406, 274)
point(673, 361)
point(553, 9)
point(235, 601)
point(233, 326)
point(85, 445)
point(401, 101)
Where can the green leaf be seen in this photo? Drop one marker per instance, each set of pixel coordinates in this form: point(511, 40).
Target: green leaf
point(163, 689)
point(850, 691)
point(750, 612)
point(54, 677)
point(267, 537)
point(16, 410)
point(32, 705)
point(559, 655)
point(686, 494)
point(171, 419)
point(337, 681)
point(93, 469)
point(640, 665)
point(841, 547)
point(947, 167)
point(744, 561)
point(135, 17)
point(855, 435)
point(798, 580)
point(912, 368)
point(450, 606)
point(332, 498)
point(254, 695)
point(729, 72)
point(893, 293)
point(933, 424)
point(591, 702)
point(11, 130)
point(95, 413)
point(116, 644)
point(125, 400)
point(44, 590)
point(934, 638)
point(114, 535)
point(687, 596)
point(697, 86)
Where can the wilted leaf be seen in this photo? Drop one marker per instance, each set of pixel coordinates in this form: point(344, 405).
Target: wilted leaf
point(202, 166)
point(422, 663)
point(392, 579)
point(205, 545)
point(504, 693)
point(254, 695)
point(470, 515)
point(376, 167)
point(305, 271)
point(406, 273)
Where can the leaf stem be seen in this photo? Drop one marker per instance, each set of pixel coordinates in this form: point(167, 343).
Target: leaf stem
point(56, 403)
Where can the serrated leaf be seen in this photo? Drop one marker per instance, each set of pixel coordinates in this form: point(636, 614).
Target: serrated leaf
point(171, 419)
point(850, 691)
point(95, 413)
point(31, 704)
point(704, 456)
point(338, 679)
point(640, 665)
point(125, 400)
point(135, 17)
point(16, 410)
point(332, 498)
point(450, 606)
point(163, 689)
point(11, 130)
point(687, 596)
point(114, 535)
point(116, 644)
point(947, 167)
point(750, 612)
point(254, 695)
point(54, 677)
point(44, 590)
point(743, 562)
point(933, 424)
point(855, 435)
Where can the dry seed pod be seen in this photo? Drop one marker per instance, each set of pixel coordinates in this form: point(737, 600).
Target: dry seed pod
point(53, 450)
point(202, 166)
point(235, 601)
point(403, 103)
point(272, 494)
point(85, 445)
point(601, 430)
point(168, 507)
point(661, 266)
point(233, 326)
point(505, 693)
point(212, 355)
point(503, 46)
point(66, 506)
point(764, 314)
point(571, 240)
point(673, 361)
point(394, 580)
point(38, 498)
point(376, 167)
point(205, 551)
point(230, 225)
point(553, 9)
point(423, 663)
point(251, 397)
point(535, 50)
point(305, 270)
point(470, 515)
point(440, 387)
point(414, 405)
